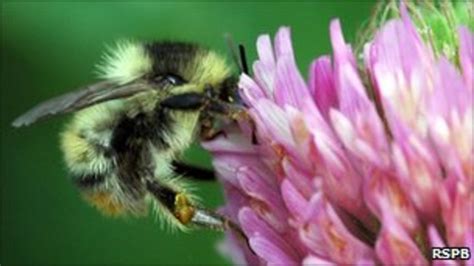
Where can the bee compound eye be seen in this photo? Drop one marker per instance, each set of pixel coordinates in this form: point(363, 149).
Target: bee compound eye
point(174, 80)
point(169, 80)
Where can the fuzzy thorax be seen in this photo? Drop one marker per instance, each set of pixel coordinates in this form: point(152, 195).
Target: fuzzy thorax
point(124, 62)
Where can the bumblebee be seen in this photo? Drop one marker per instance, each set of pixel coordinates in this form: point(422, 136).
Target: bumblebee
point(123, 147)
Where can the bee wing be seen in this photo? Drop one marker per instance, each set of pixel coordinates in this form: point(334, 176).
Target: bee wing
point(79, 99)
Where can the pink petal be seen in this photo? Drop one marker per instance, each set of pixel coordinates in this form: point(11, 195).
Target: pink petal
point(394, 245)
point(310, 232)
point(410, 27)
point(336, 242)
point(299, 153)
point(261, 233)
point(294, 201)
point(341, 182)
point(419, 173)
point(466, 55)
point(275, 119)
point(240, 254)
point(250, 91)
point(382, 191)
point(265, 199)
point(237, 200)
point(290, 87)
point(313, 260)
point(233, 142)
point(367, 142)
point(458, 215)
point(227, 166)
point(450, 93)
point(271, 253)
point(351, 92)
point(300, 180)
point(342, 51)
point(265, 50)
point(265, 77)
point(321, 85)
point(437, 241)
point(402, 67)
point(283, 46)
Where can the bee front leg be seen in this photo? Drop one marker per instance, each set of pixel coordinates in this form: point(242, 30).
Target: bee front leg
point(193, 101)
point(190, 101)
point(209, 130)
point(231, 111)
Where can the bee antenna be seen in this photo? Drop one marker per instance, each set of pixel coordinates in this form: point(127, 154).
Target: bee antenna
point(236, 55)
point(243, 59)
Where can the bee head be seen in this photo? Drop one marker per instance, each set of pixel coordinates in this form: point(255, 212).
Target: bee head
point(174, 67)
point(229, 91)
point(152, 72)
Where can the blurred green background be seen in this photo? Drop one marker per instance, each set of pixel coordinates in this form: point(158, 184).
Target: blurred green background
point(48, 48)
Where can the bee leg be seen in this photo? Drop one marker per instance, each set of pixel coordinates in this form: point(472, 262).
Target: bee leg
point(175, 202)
point(186, 101)
point(187, 213)
point(205, 218)
point(195, 101)
point(208, 129)
point(229, 110)
point(192, 101)
point(193, 172)
point(234, 112)
point(210, 219)
point(211, 133)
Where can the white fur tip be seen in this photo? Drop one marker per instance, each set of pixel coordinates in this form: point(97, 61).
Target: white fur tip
point(125, 61)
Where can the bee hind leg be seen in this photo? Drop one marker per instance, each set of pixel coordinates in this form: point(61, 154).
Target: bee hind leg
point(188, 214)
point(211, 219)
